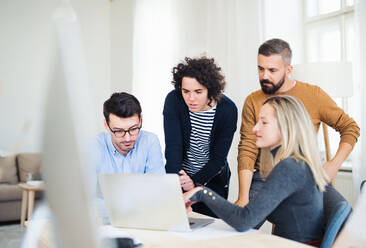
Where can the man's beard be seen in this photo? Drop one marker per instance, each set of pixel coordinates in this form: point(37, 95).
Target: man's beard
point(271, 89)
point(122, 146)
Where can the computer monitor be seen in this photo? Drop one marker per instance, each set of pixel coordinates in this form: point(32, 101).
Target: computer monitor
point(68, 125)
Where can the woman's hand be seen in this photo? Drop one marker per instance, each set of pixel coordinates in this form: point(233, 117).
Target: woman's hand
point(185, 181)
point(241, 202)
point(188, 195)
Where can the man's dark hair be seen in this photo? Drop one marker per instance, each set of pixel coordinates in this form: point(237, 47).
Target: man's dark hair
point(276, 46)
point(205, 71)
point(121, 104)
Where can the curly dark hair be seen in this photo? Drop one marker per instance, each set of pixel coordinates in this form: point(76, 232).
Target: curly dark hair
point(205, 71)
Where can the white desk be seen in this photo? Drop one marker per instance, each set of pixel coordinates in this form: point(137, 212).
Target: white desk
point(164, 239)
point(159, 239)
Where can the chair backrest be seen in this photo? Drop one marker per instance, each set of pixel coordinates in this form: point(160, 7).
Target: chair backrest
point(336, 212)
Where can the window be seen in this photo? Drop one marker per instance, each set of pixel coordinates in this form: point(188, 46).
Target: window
point(329, 36)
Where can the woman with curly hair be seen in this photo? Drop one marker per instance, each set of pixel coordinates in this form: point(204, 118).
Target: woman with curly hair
point(199, 125)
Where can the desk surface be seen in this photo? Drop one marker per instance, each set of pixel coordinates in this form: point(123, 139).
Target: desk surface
point(160, 239)
point(164, 239)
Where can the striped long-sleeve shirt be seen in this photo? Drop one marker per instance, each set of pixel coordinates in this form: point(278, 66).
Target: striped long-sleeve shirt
point(198, 153)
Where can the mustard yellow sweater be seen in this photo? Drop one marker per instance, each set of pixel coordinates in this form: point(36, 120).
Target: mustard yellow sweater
point(320, 107)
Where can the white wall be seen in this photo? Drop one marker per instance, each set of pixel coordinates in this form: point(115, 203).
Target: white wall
point(121, 44)
point(94, 19)
point(233, 38)
point(27, 48)
point(155, 52)
point(284, 19)
point(192, 26)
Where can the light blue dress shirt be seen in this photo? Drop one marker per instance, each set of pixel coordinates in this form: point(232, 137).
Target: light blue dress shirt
point(145, 158)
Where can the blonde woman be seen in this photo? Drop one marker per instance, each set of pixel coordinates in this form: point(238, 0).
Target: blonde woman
point(292, 194)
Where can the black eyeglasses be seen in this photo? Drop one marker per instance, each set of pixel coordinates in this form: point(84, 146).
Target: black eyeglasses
point(121, 132)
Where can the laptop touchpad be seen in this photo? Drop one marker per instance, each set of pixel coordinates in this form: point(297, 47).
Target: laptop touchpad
point(195, 223)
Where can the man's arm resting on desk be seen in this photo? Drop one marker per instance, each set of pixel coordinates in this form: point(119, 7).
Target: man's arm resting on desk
point(245, 180)
point(332, 166)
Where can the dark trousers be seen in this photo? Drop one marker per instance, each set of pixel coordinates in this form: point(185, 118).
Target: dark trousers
point(219, 184)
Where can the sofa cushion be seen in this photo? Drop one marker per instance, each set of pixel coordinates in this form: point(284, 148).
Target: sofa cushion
point(9, 211)
point(8, 170)
point(10, 192)
point(29, 163)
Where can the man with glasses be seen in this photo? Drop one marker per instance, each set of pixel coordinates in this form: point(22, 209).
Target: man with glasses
point(125, 148)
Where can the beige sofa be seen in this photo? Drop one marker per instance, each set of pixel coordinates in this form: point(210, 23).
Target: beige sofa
point(13, 170)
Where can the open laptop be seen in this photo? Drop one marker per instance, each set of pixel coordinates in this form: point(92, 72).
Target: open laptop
point(147, 201)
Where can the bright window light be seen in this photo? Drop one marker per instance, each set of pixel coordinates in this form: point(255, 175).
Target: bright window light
point(350, 2)
point(327, 6)
point(330, 44)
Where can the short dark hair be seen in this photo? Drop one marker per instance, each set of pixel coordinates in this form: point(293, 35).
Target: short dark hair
point(276, 46)
point(205, 71)
point(121, 104)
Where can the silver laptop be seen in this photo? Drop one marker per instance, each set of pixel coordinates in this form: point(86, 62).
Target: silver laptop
point(147, 201)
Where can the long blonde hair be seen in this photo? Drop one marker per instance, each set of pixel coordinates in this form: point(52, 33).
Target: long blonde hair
point(299, 139)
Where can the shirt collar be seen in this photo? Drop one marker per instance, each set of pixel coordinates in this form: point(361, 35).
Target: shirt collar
point(275, 150)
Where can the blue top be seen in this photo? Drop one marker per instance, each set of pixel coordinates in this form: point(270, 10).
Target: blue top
point(145, 157)
point(177, 129)
point(290, 199)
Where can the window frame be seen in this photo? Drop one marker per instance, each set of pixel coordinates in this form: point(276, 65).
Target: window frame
point(339, 17)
